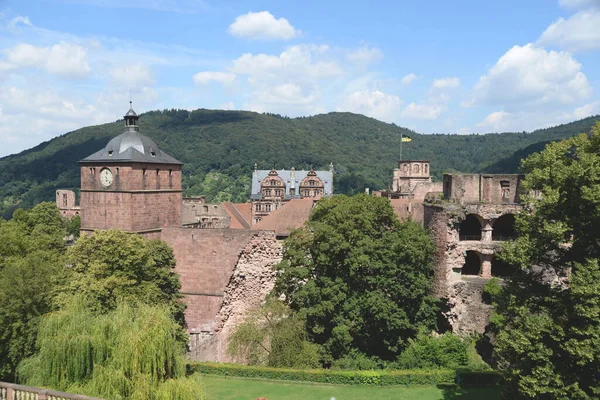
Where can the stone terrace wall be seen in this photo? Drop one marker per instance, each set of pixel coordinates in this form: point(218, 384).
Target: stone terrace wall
point(252, 280)
point(206, 259)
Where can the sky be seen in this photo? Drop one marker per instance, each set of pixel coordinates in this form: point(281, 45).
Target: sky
point(464, 66)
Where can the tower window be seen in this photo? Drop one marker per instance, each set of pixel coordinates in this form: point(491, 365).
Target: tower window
point(157, 171)
point(144, 171)
point(110, 153)
point(117, 171)
point(170, 172)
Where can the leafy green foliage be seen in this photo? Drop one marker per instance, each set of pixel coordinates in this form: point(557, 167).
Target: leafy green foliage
point(112, 265)
point(220, 148)
point(372, 378)
point(274, 336)
point(548, 342)
point(31, 256)
point(131, 352)
point(491, 290)
point(427, 351)
point(359, 277)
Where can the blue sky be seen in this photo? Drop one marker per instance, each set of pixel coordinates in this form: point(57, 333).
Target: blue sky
point(433, 66)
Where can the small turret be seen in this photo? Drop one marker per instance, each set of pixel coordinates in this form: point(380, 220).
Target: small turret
point(131, 119)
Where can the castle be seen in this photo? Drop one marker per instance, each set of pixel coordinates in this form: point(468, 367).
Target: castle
point(226, 252)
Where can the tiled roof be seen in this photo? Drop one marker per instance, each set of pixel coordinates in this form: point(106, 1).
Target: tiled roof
point(289, 216)
point(240, 213)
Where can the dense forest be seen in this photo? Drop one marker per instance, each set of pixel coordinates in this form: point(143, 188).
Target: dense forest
point(220, 148)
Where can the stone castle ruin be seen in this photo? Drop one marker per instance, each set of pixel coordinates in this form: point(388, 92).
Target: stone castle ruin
point(226, 252)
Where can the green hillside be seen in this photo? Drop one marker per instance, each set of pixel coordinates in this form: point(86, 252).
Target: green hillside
point(220, 148)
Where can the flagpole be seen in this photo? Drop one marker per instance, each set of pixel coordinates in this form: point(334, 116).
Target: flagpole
point(401, 146)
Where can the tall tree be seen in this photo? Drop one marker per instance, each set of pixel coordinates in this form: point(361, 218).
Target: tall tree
point(548, 316)
point(32, 250)
point(112, 265)
point(359, 277)
point(131, 352)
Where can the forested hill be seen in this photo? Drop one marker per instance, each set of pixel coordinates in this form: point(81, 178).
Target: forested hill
point(220, 148)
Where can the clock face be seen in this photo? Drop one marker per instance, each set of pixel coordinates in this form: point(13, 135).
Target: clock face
point(106, 177)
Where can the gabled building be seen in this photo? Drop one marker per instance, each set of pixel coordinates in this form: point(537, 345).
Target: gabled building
point(273, 188)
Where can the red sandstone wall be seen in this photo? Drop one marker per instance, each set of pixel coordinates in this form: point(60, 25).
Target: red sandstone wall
point(436, 221)
point(206, 259)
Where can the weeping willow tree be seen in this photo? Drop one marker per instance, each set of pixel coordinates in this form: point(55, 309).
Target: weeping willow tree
point(132, 352)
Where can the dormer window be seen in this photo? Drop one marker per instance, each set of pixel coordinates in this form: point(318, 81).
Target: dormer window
point(110, 153)
point(152, 153)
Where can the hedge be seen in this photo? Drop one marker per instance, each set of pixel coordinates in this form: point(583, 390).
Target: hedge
point(374, 378)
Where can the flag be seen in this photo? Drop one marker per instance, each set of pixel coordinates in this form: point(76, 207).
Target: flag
point(406, 139)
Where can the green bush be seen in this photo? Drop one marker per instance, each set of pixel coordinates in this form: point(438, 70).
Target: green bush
point(491, 290)
point(374, 378)
point(444, 351)
point(357, 361)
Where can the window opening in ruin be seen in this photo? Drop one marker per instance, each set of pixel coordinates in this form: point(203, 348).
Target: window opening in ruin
point(504, 228)
point(205, 209)
point(470, 228)
point(267, 207)
point(64, 200)
point(505, 190)
point(415, 168)
point(425, 168)
point(472, 265)
point(502, 269)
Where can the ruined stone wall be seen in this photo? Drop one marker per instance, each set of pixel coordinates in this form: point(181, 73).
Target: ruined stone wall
point(206, 259)
point(251, 281)
point(466, 312)
point(65, 202)
point(436, 220)
point(462, 188)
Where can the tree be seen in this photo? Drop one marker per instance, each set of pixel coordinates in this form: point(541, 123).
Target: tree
point(548, 316)
point(359, 277)
point(130, 352)
point(32, 250)
point(273, 335)
point(112, 265)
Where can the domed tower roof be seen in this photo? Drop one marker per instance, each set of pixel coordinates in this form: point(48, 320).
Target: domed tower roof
point(131, 146)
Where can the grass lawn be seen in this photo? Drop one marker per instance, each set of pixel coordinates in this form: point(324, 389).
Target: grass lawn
point(218, 388)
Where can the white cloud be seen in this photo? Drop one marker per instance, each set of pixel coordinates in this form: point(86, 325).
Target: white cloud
point(408, 79)
point(376, 104)
point(12, 24)
point(4, 66)
point(423, 111)
point(364, 56)
point(206, 77)
point(135, 75)
point(227, 106)
point(262, 26)
point(580, 32)
point(297, 60)
point(530, 76)
point(579, 3)
point(63, 59)
point(504, 121)
point(446, 83)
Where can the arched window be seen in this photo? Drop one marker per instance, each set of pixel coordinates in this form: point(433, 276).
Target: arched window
point(426, 168)
point(472, 265)
point(470, 228)
point(504, 228)
point(405, 167)
point(415, 168)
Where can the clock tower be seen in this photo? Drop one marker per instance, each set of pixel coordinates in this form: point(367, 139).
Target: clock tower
point(130, 185)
